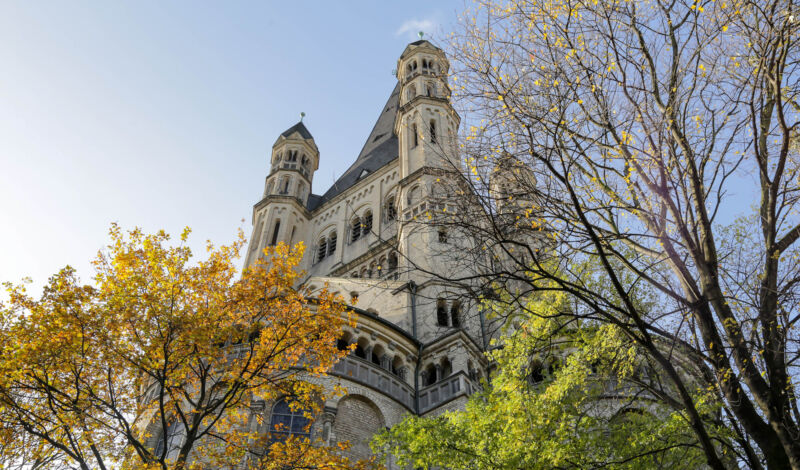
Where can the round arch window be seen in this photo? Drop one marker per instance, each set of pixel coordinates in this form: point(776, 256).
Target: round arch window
point(288, 421)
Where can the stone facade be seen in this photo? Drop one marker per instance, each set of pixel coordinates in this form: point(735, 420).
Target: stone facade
point(419, 344)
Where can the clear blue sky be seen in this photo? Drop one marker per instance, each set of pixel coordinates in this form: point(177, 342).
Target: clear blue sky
point(162, 114)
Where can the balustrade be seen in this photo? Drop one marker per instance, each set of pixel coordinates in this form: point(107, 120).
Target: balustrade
point(367, 373)
point(444, 390)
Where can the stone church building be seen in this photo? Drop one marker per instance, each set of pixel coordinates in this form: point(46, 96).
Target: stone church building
point(419, 345)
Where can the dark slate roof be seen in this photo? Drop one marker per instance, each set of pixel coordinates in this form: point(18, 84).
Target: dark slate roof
point(414, 45)
point(381, 148)
point(313, 201)
point(299, 127)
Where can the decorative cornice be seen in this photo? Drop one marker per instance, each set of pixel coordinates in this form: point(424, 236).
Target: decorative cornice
point(277, 198)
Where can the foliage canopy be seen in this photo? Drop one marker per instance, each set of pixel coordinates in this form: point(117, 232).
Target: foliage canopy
point(165, 362)
point(629, 137)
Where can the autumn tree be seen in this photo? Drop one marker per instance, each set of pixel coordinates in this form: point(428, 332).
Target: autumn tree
point(655, 142)
point(165, 362)
point(562, 397)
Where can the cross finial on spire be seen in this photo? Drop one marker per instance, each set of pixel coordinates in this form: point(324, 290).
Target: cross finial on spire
point(421, 34)
point(302, 115)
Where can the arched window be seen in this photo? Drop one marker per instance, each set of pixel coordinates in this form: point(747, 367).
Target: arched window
point(332, 243)
point(292, 156)
point(285, 182)
point(537, 372)
point(372, 270)
point(413, 136)
point(411, 93)
point(424, 63)
point(392, 262)
point(471, 372)
point(455, 314)
point(429, 89)
point(275, 232)
point(342, 344)
point(301, 190)
point(322, 249)
point(441, 313)
point(362, 344)
point(364, 274)
point(433, 131)
point(270, 184)
point(355, 229)
point(304, 161)
point(390, 209)
point(413, 195)
point(377, 354)
point(430, 375)
point(397, 364)
point(288, 421)
point(447, 368)
point(366, 223)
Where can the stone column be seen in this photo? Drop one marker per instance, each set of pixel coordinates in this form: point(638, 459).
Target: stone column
point(327, 420)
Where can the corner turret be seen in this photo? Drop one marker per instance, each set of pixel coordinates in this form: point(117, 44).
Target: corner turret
point(295, 158)
point(426, 125)
point(281, 215)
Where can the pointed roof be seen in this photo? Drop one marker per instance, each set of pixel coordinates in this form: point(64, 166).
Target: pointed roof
point(299, 127)
point(380, 148)
point(421, 43)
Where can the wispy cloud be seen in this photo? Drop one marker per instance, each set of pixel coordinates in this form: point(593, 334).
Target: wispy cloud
point(411, 27)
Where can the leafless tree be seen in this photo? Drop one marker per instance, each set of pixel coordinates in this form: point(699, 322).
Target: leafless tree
point(617, 147)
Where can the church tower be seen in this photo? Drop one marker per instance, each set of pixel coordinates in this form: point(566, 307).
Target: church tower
point(380, 235)
point(426, 122)
point(426, 125)
point(513, 195)
point(281, 215)
point(512, 187)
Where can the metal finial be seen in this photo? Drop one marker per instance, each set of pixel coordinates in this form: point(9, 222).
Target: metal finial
point(302, 115)
point(421, 34)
